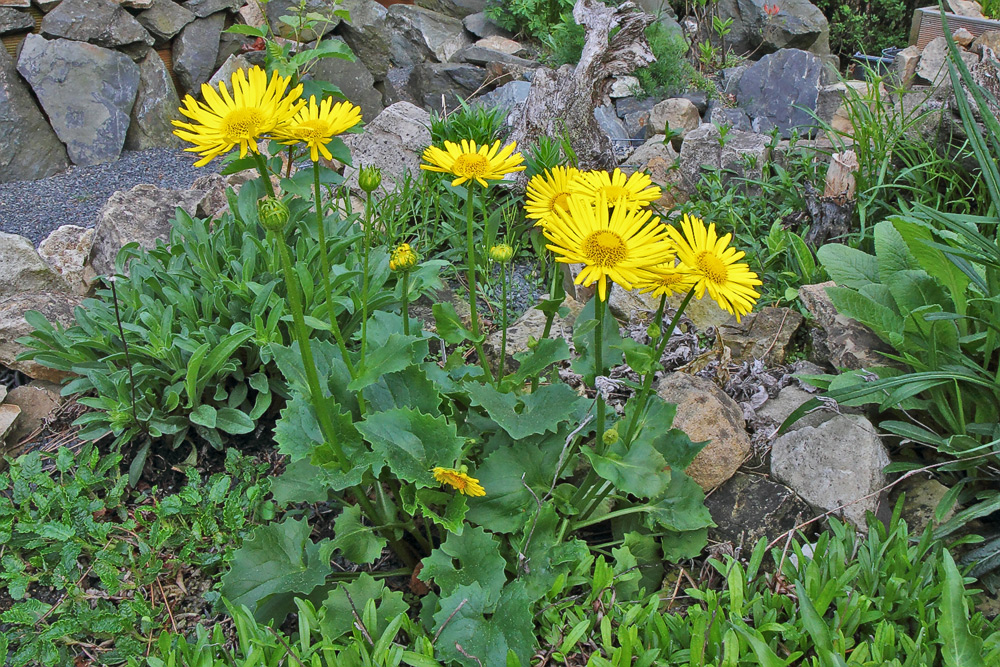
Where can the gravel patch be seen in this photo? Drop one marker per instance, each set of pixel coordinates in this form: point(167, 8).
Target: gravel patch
point(75, 196)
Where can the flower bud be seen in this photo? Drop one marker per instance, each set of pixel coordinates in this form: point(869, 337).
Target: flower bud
point(610, 436)
point(653, 331)
point(370, 178)
point(501, 253)
point(403, 258)
point(273, 213)
point(532, 342)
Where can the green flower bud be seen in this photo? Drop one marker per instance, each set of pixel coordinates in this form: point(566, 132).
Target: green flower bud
point(610, 436)
point(273, 213)
point(370, 178)
point(532, 342)
point(403, 258)
point(653, 331)
point(501, 253)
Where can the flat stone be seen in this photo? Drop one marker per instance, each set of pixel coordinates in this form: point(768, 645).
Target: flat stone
point(678, 114)
point(904, 65)
point(849, 343)
point(164, 19)
point(434, 84)
point(22, 270)
point(705, 412)
point(531, 324)
point(480, 26)
point(932, 67)
point(29, 148)
point(969, 8)
point(195, 50)
point(203, 8)
point(750, 507)
point(393, 142)
point(418, 35)
point(86, 90)
point(989, 39)
point(480, 55)
point(24, 4)
point(368, 35)
point(12, 21)
point(56, 307)
point(501, 44)
point(788, 400)
point(66, 250)
point(837, 464)
point(36, 400)
point(780, 90)
point(456, 8)
point(763, 334)
point(101, 22)
point(923, 494)
point(8, 418)
point(732, 118)
point(156, 105)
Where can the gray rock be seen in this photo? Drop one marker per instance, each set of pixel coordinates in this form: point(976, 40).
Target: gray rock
point(798, 25)
point(923, 495)
point(664, 15)
point(511, 96)
point(788, 400)
point(275, 9)
point(705, 412)
point(763, 334)
point(457, 8)
point(654, 148)
point(231, 45)
point(480, 26)
point(990, 39)
point(368, 35)
point(393, 142)
point(38, 401)
point(156, 104)
point(904, 66)
point(848, 344)
point(66, 250)
point(225, 72)
point(13, 21)
point(679, 114)
point(29, 149)
point(635, 116)
point(195, 50)
point(56, 307)
point(396, 86)
point(730, 77)
point(932, 66)
point(22, 270)
point(418, 35)
point(434, 84)
point(741, 154)
point(354, 80)
point(87, 92)
point(698, 98)
point(164, 19)
point(142, 215)
point(531, 324)
point(837, 464)
point(480, 55)
point(750, 507)
point(621, 141)
point(720, 116)
point(203, 8)
point(99, 22)
point(780, 89)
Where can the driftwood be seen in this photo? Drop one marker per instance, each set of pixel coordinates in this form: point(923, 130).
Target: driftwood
point(562, 102)
point(832, 211)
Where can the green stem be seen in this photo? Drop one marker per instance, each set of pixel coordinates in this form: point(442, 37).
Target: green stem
point(583, 523)
point(503, 321)
point(305, 349)
point(556, 291)
point(265, 175)
point(406, 303)
point(470, 273)
point(364, 279)
point(599, 369)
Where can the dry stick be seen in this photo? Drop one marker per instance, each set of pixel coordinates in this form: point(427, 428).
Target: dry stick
point(170, 613)
point(288, 648)
point(873, 493)
point(361, 624)
point(773, 342)
point(448, 620)
point(66, 594)
point(470, 657)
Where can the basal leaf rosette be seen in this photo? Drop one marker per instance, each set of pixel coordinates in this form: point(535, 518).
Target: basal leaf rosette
point(468, 162)
point(315, 125)
point(224, 121)
point(716, 266)
point(637, 190)
point(614, 243)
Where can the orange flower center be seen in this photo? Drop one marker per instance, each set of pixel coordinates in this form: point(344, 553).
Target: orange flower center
point(605, 248)
point(242, 124)
point(712, 267)
point(314, 130)
point(561, 200)
point(471, 165)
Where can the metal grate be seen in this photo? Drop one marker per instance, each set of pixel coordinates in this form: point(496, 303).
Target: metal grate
point(927, 26)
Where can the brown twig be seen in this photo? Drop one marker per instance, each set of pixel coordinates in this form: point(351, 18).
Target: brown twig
point(288, 648)
point(166, 603)
point(448, 620)
point(357, 618)
point(470, 657)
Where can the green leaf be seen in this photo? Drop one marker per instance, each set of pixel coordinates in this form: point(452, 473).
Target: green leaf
point(472, 557)
point(485, 631)
point(960, 648)
point(893, 255)
point(243, 29)
point(655, 427)
point(393, 355)
point(504, 474)
point(409, 388)
point(547, 554)
point(204, 415)
point(301, 482)
point(766, 656)
point(449, 324)
point(682, 507)
point(532, 363)
point(535, 413)
point(818, 630)
point(274, 565)
point(847, 266)
point(914, 288)
point(639, 356)
point(638, 469)
point(412, 443)
point(357, 542)
point(931, 259)
point(446, 508)
point(877, 317)
point(233, 421)
point(340, 619)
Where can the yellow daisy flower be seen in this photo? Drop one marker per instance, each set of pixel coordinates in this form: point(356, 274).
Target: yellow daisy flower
point(667, 279)
point(717, 267)
point(459, 480)
point(316, 125)
point(403, 258)
point(224, 121)
point(468, 162)
point(546, 192)
point(637, 190)
point(619, 243)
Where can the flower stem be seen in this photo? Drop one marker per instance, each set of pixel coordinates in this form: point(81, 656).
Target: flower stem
point(301, 334)
point(265, 175)
point(364, 278)
point(503, 320)
point(556, 291)
point(471, 277)
point(406, 303)
point(599, 310)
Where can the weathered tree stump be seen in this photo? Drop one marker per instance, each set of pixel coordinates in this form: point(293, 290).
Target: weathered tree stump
point(562, 102)
point(832, 211)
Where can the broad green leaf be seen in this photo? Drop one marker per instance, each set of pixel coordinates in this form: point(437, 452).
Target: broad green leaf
point(449, 324)
point(504, 474)
point(445, 507)
point(532, 363)
point(639, 356)
point(655, 427)
point(875, 316)
point(638, 469)
point(348, 599)
point(485, 631)
point(204, 415)
point(243, 29)
point(409, 388)
point(274, 565)
point(960, 648)
point(892, 253)
point(357, 542)
point(412, 443)
point(470, 558)
point(233, 421)
point(918, 239)
point(847, 266)
point(914, 288)
point(766, 656)
point(818, 630)
point(529, 414)
point(682, 507)
point(393, 355)
point(547, 555)
point(302, 482)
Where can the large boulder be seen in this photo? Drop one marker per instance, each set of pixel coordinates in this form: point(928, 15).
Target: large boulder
point(275, 9)
point(86, 90)
point(354, 80)
point(437, 84)
point(164, 19)
point(418, 35)
point(195, 50)
point(741, 154)
point(101, 22)
point(368, 35)
point(836, 466)
point(156, 104)
point(798, 25)
point(705, 412)
point(393, 142)
point(677, 113)
point(29, 149)
point(22, 270)
point(457, 8)
point(780, 90)
point(56, 307)
point(142, 215)
point(933, 68)
point(203, 8)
